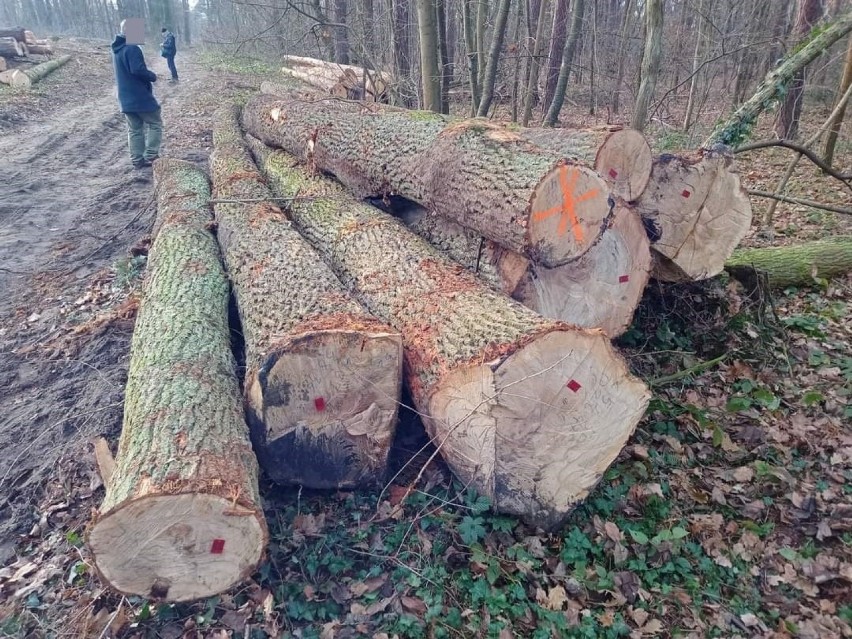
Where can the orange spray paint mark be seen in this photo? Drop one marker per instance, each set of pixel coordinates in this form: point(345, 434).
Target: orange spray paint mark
point(567, 210)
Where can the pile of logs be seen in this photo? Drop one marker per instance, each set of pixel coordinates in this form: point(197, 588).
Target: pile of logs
point(483, 268)
point(18, 42)
point(340, 80)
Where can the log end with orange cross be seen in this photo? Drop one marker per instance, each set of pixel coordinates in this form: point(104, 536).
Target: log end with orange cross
point(567, 215)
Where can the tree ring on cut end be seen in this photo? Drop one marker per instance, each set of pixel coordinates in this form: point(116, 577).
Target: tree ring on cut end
point(567, 214)
point(625, 160)
point(162, 546)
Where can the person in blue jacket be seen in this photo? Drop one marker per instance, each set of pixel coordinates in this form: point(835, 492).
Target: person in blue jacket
point(168, 50)
point(138, 104)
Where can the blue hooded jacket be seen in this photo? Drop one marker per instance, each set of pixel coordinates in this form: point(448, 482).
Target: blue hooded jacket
point(133, 78)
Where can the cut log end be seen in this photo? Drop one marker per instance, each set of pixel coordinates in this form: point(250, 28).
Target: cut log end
point(602, 288)
point(325, 408)
point(540, 428)
point(177, 547)
point(624, 160)
point(15, 78)
point(699, 214)
point(567, 214)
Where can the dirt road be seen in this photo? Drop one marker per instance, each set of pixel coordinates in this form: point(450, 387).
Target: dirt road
point(72, 206)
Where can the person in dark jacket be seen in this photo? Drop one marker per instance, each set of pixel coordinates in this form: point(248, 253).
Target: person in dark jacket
point(168, 50)
point(138, 104)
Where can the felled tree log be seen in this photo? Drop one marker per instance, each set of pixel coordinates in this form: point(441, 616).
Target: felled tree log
point(29, 37)
point(696, 212)
point(528, 411)
point(601, 289)
point(801, 265)
point(481, 175)
point(17, 33)
point(621, 156)
point(355, 82)
point(2, 63)
point(27, 78)
point(181, 518)
point(12, 77)
point(323, 376)
point(10, 48)
point(41, 49)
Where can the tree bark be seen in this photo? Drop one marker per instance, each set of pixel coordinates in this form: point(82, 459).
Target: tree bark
point(481, 24)
point(696, 64)
point(535, 64)
point(837, 120)
point(477, 362)
point(494, 58)
point(341, 31)
point(481, 175)
point(431, 79)
point(650, 63)
point(443, 54)
point(601, 289)
point(184, 486)
point(697, 214)
point(565, 69)
point(472, 54)
point(622, 54)
point(782, 266)
point(18, 33)
point(31, 76)
point(11, 48)
point(622, 157)
point(737, 128)
point(558, 35)
point(323, 376)
point(787, 118)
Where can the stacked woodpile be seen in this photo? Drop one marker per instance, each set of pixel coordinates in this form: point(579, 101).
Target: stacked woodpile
point(18, 42)
point(340, 80)
point(482, 267)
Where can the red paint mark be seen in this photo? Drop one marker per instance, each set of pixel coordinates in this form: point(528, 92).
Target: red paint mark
point(624, 278)
point(218, 547)
point(685, 193)
point(567, 210)
point(613, 173)
point(319, 404)
point(573, 385)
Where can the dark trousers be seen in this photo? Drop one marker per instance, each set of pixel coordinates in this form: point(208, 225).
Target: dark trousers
point(171, 60)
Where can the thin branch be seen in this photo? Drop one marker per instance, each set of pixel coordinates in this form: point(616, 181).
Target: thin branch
point(813, 157)
point(798, 200)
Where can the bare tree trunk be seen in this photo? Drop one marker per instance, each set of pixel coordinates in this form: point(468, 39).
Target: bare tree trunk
point(532, 76)
point(696, 63)
point(431, 79)
point(494, 58)
point(341, 33)
point(837, 121)
point(622, 54)
point(565, 70)
point(557, 45)
point(472, 54)
point(401, 44)
point(787, 121)
point(516, 39)
point(650, 62)
point(443, 57)
point(481, 24)
point(592, 57)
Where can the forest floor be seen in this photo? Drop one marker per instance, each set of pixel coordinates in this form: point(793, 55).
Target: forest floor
point(729, 514)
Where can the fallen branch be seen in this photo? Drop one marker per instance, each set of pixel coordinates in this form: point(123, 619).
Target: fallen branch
point(802, 201)
point(700, 367)
point(846, 178)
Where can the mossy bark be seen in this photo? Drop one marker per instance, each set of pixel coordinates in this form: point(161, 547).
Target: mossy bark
point(482, 175)
point(477, 363)
point(304, 337)
point(184, 431)
point(800, 265)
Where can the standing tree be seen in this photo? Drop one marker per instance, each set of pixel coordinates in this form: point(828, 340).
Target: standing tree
point(401, 45)
point(558, 35)
point(622, 54)
point(472, 52)
point(787, 121)
point(494, 58)
point(341, 34)
point(837, 121)
point(427, 18)
point(532, 74)
point(565, 70)
point(650, 62)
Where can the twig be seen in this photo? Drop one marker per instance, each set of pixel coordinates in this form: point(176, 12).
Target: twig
point(813, 157)
point(698, 368)
point(798, 200)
